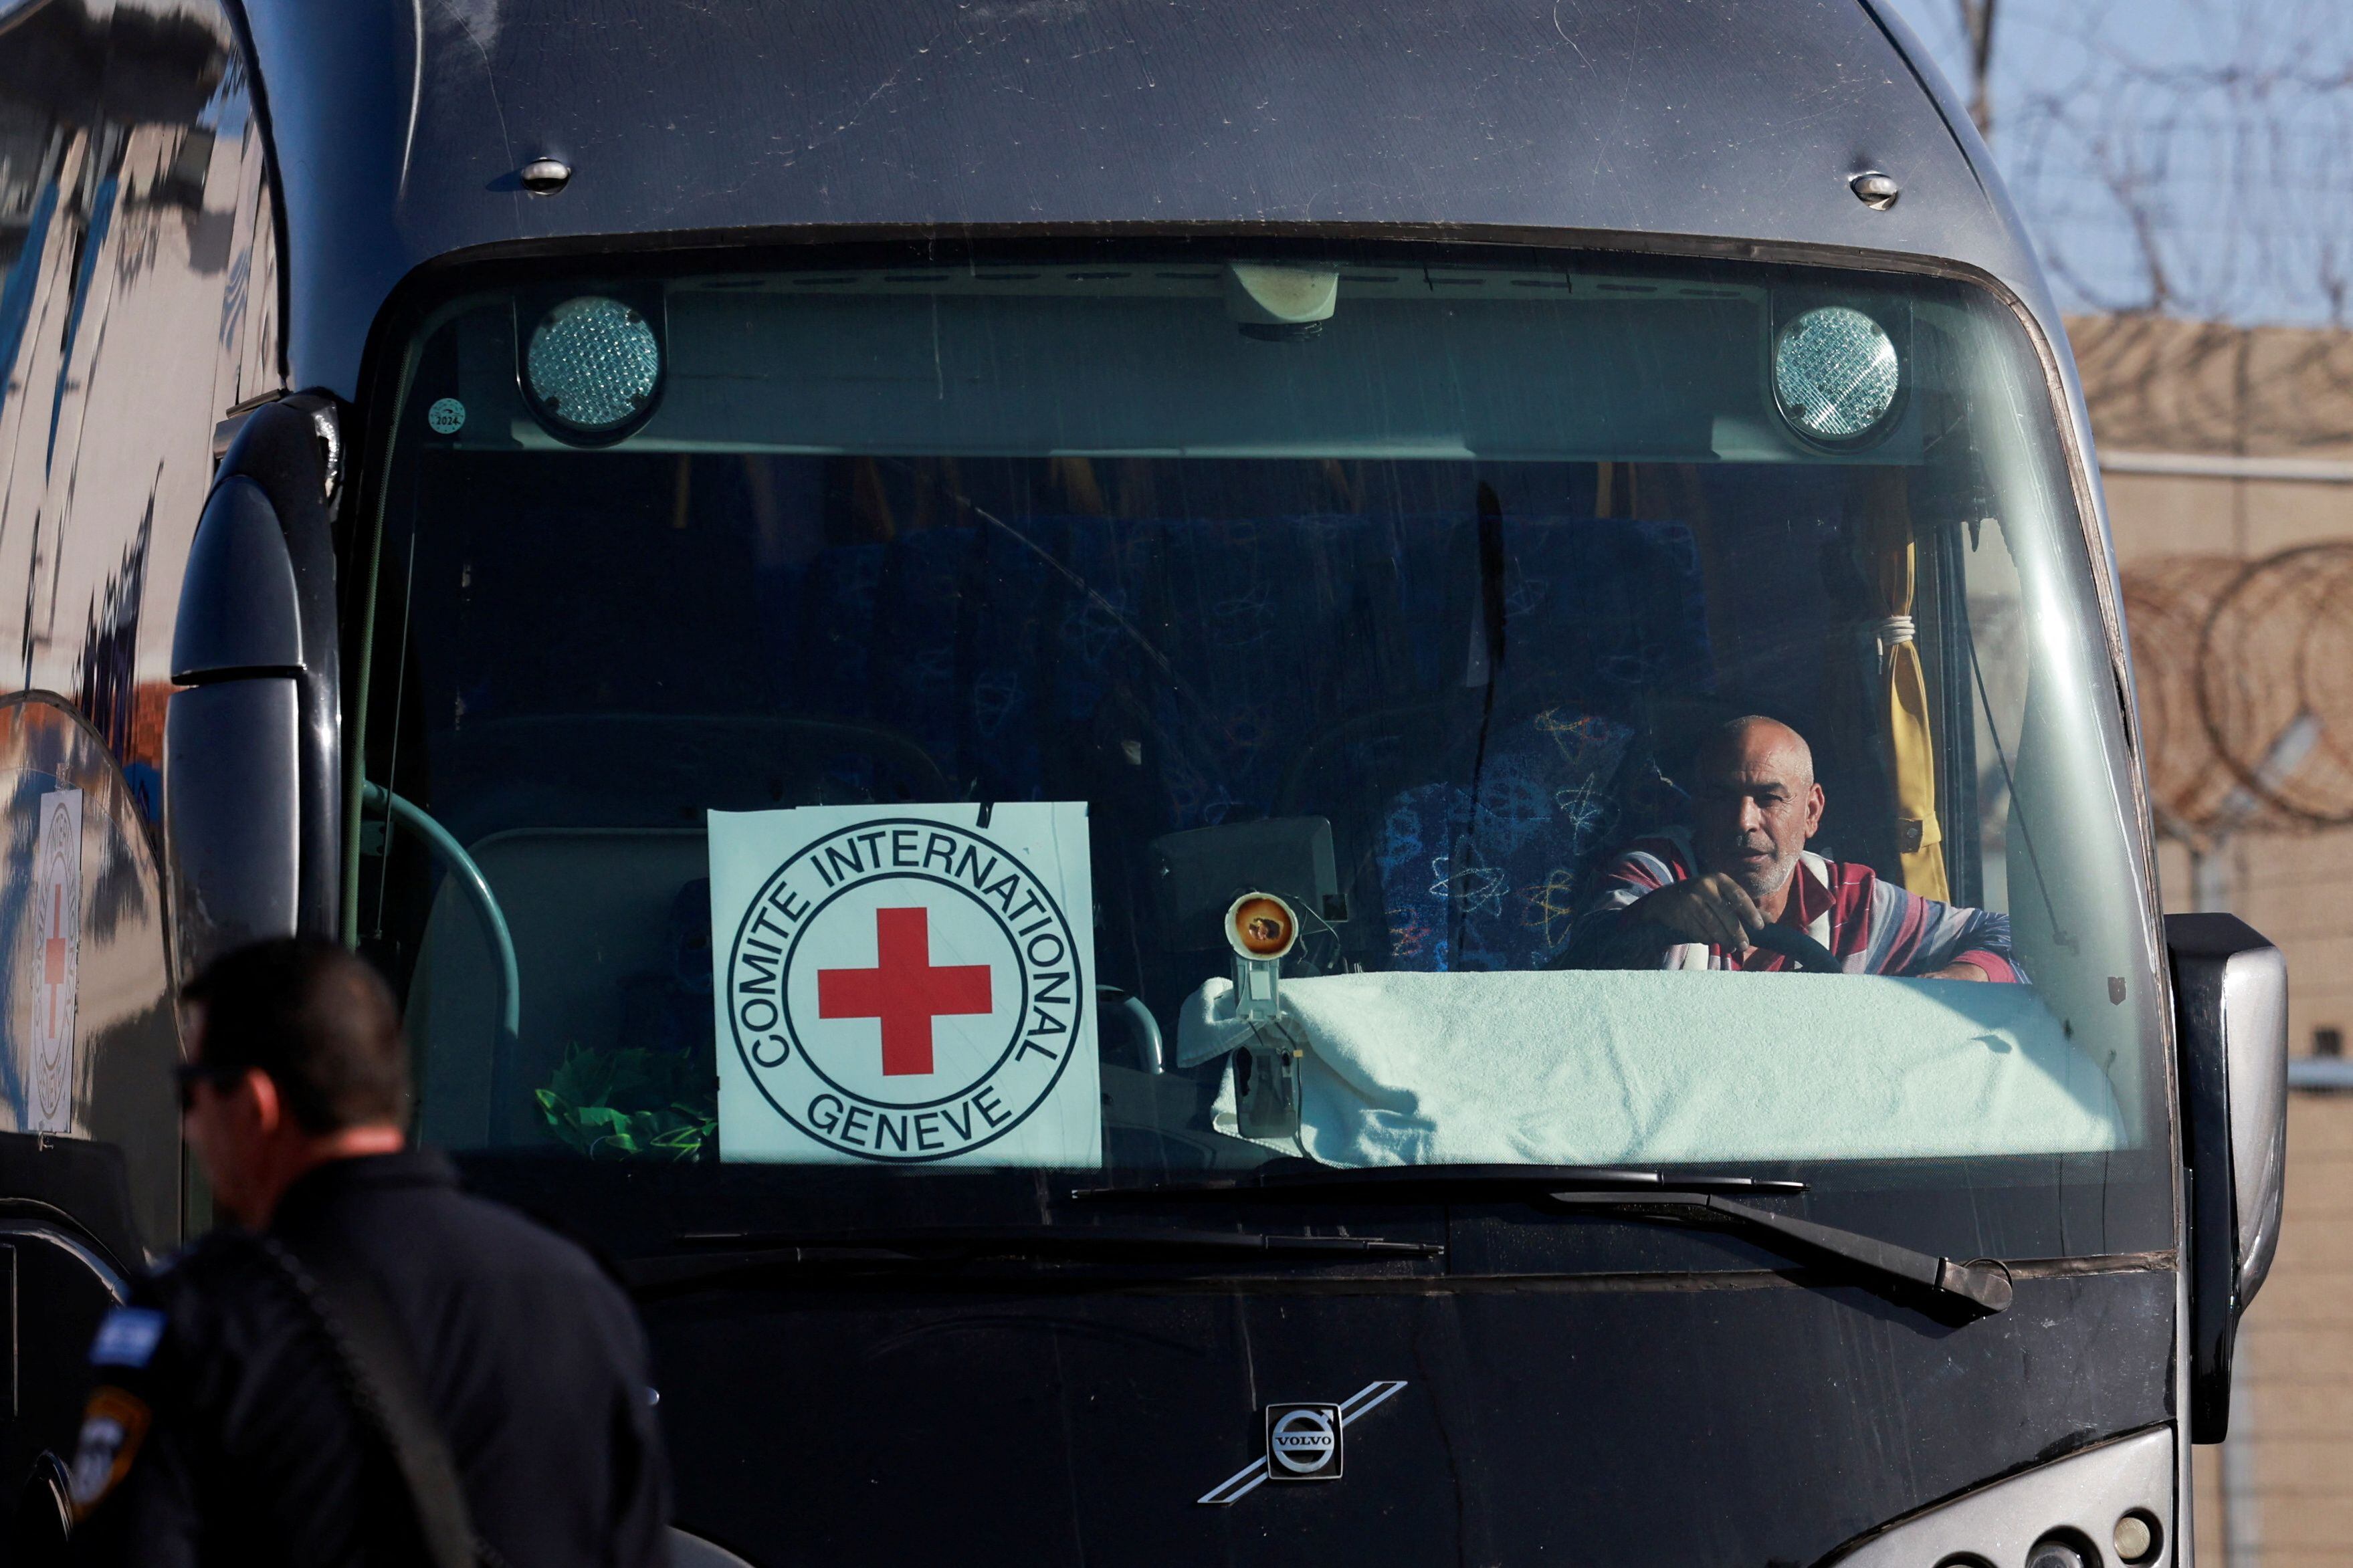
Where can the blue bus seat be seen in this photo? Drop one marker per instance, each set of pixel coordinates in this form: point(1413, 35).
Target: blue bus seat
point(1265, 618)
point(1599, 613)
point(1005, 648)
point(1491, 881)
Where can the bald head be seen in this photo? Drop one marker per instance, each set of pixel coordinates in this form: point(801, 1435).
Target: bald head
point(1756, 805)
point(1754, 740)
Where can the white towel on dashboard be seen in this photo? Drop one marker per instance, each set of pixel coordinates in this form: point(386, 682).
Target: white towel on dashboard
point(1663, 1066)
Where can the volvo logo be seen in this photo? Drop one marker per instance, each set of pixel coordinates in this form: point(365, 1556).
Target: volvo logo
point(1302, 1442)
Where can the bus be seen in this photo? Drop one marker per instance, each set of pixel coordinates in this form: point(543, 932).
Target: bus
point(1224, 783)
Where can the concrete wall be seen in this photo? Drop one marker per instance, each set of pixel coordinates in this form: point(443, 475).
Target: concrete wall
point(2295, 1438)
point(2187, 388)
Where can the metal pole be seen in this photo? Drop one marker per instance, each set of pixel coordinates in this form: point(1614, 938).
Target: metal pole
point(2209, 880)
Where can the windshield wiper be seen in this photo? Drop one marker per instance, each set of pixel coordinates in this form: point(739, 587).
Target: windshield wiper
point(1409, 1183)
point(1982, 1285)
point(724, 1253)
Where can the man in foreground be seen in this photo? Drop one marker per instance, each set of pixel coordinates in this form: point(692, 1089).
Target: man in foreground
point(276, 1394)
point(1702, 897)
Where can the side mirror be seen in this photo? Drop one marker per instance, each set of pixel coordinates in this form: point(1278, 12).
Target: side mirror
point(252, 747)
point(2230, 992)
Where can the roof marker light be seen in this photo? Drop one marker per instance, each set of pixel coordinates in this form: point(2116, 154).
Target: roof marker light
point(1835, 375)
point(593, 365)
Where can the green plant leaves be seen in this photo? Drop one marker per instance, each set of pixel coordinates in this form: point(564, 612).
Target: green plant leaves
point(632, 1104)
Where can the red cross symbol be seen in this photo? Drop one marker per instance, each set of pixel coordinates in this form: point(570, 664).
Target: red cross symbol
point(53, 956)
point(903, 990)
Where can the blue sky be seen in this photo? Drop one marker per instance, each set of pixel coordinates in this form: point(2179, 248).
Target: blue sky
point(2194, 157)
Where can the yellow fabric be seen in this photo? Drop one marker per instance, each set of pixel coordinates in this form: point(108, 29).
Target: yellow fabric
point(1915, 774)
point(1910, 744)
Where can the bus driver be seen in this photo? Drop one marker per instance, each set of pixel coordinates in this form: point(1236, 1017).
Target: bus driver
point(1698, 898)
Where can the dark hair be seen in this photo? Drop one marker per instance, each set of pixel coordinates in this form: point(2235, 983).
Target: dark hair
point(317, 1019)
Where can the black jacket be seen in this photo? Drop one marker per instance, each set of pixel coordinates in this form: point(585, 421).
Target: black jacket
point(221, 1430)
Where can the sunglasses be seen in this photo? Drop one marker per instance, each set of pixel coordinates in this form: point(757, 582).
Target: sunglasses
point(186, 1076)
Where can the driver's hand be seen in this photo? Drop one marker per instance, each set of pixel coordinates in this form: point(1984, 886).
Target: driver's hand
point(1710, 908)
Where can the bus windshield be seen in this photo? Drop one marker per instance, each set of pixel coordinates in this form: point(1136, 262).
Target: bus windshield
point(1175, 713)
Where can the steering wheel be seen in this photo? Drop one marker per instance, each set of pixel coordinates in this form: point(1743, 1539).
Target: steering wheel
point(1808, 955)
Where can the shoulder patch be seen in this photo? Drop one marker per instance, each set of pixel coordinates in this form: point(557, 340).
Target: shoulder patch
point(112, 1426)
point(127, 1336)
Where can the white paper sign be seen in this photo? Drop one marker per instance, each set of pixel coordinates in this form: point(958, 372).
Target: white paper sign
point(57, 962)
point(906, 984)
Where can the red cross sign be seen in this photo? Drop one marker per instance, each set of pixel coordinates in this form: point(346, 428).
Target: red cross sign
point(53, 958)
point(903, 990)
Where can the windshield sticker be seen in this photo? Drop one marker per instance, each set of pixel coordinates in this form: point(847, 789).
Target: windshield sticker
point(906, 984)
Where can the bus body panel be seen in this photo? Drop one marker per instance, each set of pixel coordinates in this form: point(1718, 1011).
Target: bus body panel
point(1735, 1418)
point(1734, 123)
point(943, 1422)
point(139, 300)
